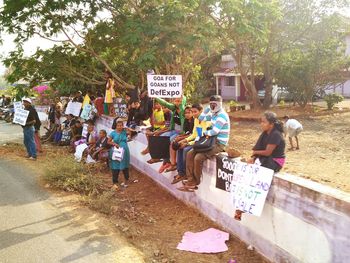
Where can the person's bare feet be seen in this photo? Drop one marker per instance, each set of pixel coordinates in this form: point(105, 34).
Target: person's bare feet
point(145, 151)
point(297, 148)
point(291, 149)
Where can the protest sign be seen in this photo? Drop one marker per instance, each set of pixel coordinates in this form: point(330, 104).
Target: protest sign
point(17, 105)
point(73, 108)
point(120, 110)
point(86, 112)
point(248, 183)
point(164, 86)
point(85, 130)
point(20, 116)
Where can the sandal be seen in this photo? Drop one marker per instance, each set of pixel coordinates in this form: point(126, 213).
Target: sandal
point(170, 169)
point(164, 167)
point(187, 189)
point(177, 179)
point(150, 161)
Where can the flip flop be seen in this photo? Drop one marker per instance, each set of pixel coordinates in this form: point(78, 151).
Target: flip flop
point(186, 189)
point(172, 168)
point(177, 179)
point(154, 161)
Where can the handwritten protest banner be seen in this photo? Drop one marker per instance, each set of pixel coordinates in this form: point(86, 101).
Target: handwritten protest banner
point(17, 105)
point(248, 183)
point(85, 130)
point(164, 86)
point(73, 108)
point(120, 110)
point(86, 112)
point(21, 116)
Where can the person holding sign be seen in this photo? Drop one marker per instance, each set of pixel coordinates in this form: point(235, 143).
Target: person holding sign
point(220, 123)
point(29, 130)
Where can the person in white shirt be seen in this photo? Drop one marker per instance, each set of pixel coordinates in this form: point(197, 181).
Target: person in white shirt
point(293, 128)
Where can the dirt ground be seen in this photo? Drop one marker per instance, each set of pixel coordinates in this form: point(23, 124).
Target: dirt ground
point(324, 154)
point(150, 218)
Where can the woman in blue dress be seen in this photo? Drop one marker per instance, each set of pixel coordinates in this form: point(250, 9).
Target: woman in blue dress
point(119, 138)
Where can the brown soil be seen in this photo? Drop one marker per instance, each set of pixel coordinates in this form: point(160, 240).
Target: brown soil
point(324, 154)
point(151, 219)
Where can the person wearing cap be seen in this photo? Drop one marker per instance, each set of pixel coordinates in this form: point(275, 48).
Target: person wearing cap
point(220, 127)
point(29, 129)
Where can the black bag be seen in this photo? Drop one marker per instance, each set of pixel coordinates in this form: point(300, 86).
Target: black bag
point(204, 144)
point(159, 147)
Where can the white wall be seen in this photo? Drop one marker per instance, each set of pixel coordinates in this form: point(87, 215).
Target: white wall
point(302, 221)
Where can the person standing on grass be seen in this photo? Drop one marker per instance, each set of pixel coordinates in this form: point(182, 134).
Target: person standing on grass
point(29, 130)
point(119, 138)
point(293, 128)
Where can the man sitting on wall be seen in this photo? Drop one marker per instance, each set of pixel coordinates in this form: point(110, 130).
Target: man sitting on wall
point(220, 123)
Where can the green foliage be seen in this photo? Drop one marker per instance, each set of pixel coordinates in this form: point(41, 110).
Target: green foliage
point(233, 103)
point(101, 202)
point(332, 99)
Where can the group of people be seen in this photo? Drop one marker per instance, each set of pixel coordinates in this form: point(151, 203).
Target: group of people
point(188, 127)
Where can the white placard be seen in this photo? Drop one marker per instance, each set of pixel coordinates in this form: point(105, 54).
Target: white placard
point(74, 108)
point(17, 105)
point(248, 183)
point(85, 130)
point(164, 86)
point(21, 116)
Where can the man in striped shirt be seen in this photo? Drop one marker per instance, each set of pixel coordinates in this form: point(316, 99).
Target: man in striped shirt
point(220, 128)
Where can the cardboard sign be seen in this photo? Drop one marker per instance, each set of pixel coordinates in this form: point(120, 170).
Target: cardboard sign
point(86, 112)
point(73, 108)
point(85, 130)
point(120, 110)
point(248, 183)
point(21, 116)
point(164, 86)
point(17, 105)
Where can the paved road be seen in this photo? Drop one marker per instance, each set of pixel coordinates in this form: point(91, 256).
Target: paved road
point(36, 226)
point(10, 132)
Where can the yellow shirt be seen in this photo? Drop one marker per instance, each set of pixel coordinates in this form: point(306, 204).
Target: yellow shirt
point(204, 125)
point(158, 116)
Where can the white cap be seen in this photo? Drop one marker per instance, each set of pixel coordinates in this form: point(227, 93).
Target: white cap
point(27, 100)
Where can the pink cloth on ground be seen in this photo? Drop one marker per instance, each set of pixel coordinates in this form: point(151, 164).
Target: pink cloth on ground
point(208, 241)
point(280, 161)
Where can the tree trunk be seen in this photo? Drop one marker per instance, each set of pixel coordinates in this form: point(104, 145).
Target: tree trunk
point(268, 85)
point(251, 90)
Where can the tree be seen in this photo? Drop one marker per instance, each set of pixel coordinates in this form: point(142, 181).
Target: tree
point(316, 63)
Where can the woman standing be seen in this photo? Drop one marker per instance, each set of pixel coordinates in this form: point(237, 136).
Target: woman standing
point(118, 138)
point(110, 93)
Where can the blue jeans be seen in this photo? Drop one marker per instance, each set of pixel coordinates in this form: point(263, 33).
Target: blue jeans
point(181, 160)
point(29, 142)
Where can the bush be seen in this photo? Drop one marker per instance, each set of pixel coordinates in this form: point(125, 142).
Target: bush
point(332, 99)
point(64, 173)
point(101, 203)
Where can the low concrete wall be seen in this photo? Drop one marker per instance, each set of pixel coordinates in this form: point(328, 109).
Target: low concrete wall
point(302, 221)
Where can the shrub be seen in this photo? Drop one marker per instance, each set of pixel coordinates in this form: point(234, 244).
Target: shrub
point(101, 202)
point(332, 99)
point(64, 173)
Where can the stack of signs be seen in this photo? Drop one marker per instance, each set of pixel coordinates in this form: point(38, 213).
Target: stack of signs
point(164, 86)
point(120, 110)
point(20, 116)
point(85, 130)
point(73, 108)
point(248, 183)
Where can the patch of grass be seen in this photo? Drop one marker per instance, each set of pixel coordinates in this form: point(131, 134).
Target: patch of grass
point(101, 202)
point(66, 174)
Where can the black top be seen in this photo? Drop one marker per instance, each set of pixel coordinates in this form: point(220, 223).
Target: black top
point(188, 126)
point(37, 124)
point(78, 99)
point(51, 113)
point(177, 119)
point(276, 138)
point(102, 143)
point(31, 116)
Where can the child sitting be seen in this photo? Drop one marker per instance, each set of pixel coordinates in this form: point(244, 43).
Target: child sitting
point(186, 144)
point(187, 130)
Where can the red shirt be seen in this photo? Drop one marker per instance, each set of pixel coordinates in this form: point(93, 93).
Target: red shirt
point(99, 105)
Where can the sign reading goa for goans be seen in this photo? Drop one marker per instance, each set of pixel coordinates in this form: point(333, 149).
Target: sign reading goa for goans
point(164, 86)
